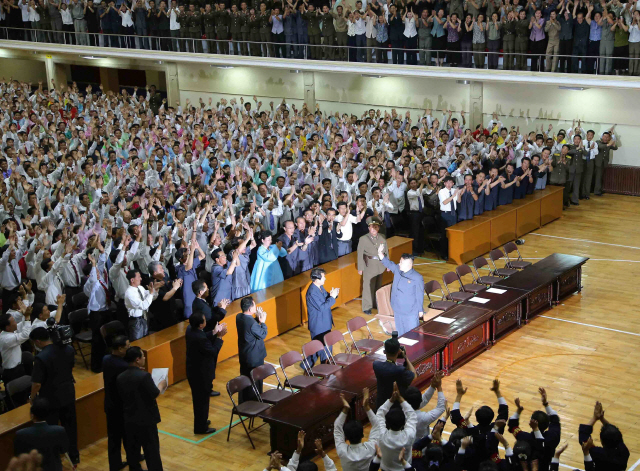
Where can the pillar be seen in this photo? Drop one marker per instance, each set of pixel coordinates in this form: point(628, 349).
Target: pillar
point(309, 90)
point(109, 79)
point(50, 68)
point(56, 72)
point(173, 86)
point(475, 104)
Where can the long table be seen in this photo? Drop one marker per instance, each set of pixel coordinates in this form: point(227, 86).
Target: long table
point(470, 239)
point(286, 309)
point(445, 342)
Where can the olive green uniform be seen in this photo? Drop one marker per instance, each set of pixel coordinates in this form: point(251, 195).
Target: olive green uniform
point(236, 23)
point(313, 28)
point(371, 268)
point(195, 30)
point(328, 35)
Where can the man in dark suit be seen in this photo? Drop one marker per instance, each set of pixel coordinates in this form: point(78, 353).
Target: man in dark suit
point(138, 394)
point(52, 379)
point(202, 356)
point(319, 304)
point(251, 349)
point(50, 440)
point(328, 240)
point(112, 366)
point(213, 315)
point(389, 372)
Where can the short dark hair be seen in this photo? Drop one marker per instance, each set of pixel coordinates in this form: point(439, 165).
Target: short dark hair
point(246, 303)
point(407, 256)
point(196, 319)
point(216, 254)
point(542, 418)
point(133, 353)
point(40, 408)
point(610, 436)
point(391, 346)
point(395, 419)
point(198, 286)
point(353, 432)
point(308, 465)
point(119, 341)
point(316, 273)
point(39, 333)
point(131, 274)
point(484, 415)
point(36, 310)
point(413, 396)
point(180, 253)
point(5, 319)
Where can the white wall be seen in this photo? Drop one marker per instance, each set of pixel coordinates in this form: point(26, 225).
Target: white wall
point(527, 106)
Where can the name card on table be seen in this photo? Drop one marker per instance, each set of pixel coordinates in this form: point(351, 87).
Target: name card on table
point(408, 342)
point(444, 320)
point(480, 300)
point(496, 290)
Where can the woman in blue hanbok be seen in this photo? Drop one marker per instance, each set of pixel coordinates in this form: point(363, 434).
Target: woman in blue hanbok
point(267, 272)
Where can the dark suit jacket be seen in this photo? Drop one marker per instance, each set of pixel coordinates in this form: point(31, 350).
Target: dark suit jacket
point(138, 393)
point(328, 243)
point(50, 440)
point(251, 335)
point(202, 355)
point(53, 369)
point(386, 374)
point(319, 310)
point(212, 315)
point(112, 366)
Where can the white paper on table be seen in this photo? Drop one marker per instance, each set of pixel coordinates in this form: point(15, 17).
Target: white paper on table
point(496, 290)
point(408, 342)
point(158, 374)
point(480, 300)
point(444, 320)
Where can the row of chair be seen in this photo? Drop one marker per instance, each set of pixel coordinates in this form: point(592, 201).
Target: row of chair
point(480, 282)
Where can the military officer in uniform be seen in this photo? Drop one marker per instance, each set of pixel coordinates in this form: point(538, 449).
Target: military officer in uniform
point(605, 145)
point(369, 264)
point(183, 19)
point(407, 292)
point(245, 29)
point(578, 156)
point(313, 28)
point(328, 33)
point(254, 33)
point(222, 28)
point(265, 30)
point(236, 23)
point(195, 28)
point(209, 23)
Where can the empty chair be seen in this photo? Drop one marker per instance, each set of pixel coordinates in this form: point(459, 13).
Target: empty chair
point(433, 233)
point(298, 382)
point(457, 296)
point(249, 409)
point(495, 255)
point(343, 359)
point(76, 319)
point(111, 330)
point(385, 314)
point(27, 360)
point(367, 344)
point(516, 262)
point(17, 391)
point(322, 370)
point(479, 263)
point(80, 300)
point(463, 270)
point(442, 305)
point(270, 396)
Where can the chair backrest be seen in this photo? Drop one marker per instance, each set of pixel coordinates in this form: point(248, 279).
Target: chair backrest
point(311, 348)
point(289, 359)
point(479, 262)
point(80, 299)
point(263, 371)
point(27, 360)
point(334, 337)
point(110, 330)
point(78, 316)
point(496, 254)
point(509, 248)
point(431, 286)
point(383, 300)
point(238, 384)
point(18, 385)
point(450, 277)
point(463, 270)
point(356, 323)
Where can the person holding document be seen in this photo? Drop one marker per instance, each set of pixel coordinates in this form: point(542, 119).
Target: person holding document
point(407, 292)
point(202, 356)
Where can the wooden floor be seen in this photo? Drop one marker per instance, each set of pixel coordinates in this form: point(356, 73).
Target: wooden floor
point(586, 349)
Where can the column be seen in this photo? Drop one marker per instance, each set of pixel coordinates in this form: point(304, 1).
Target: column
point(173, 87)
point(310, 90)
point(475, 104)
point(50, 68)
point(109, 79)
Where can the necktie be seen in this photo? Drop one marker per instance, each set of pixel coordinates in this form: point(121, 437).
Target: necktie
point(272, 221)
point(105, 288)
point(144, 313)
point(15, 275)
point(75, 270)
point(452, 204)
point(420, 203)
point(192, 172)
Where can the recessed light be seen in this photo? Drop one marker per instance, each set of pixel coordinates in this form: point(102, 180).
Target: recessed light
point(572, 88)
point(93, 57)
point(295, 71)
point(224, 66)
point(372, 76)
point(463, 82)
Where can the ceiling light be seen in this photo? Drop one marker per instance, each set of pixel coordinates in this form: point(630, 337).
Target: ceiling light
point(372, 76)
point(224, 67)
point(93, 57)
point(295, 71)
point(463, 82)
point(572, 88)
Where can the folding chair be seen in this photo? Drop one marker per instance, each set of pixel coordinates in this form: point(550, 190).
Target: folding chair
point(385, 315)
point(27, 360)
point(299, 382)
point(76, 320)
point(463, 270)
point(343, 359)
point(518, 263)
point(80, 299)
point(18, 387)
point(367, 344)
point(322, 370)
point(431, 287)
point(271, 396)
point(433, 233)
point(111, 329)
point(249, 409)
point(458, 296)
point(479, 263)
point(496, 254)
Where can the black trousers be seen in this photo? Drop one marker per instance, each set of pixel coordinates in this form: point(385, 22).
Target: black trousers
point(66, 415)
point(145, 436)
point(415, 217)
point(200, 396)
point(6, 297)
point(397, 51)
point(248, 394)
point(98, 348)
point(566, 48)
point(115, 438)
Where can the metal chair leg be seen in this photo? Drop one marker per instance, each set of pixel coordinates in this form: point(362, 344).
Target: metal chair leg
point(230, 422)
point(247, 432)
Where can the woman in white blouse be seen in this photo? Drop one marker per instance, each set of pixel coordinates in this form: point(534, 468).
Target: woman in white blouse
point(634, 44)
point(67, 22)
point(127, 39)
point(34, 18)
point(410, 36)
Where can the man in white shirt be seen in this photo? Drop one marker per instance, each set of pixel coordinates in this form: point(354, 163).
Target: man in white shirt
point(40, 313)
point(12, 335)
point(398, 431)
point(345, 228)
point(97, 289)
point(275, 461)
point(356, 456)
point(10, 276)
point(449, 199)
point(418, 400)
point(415, 195)
point(137, 301)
